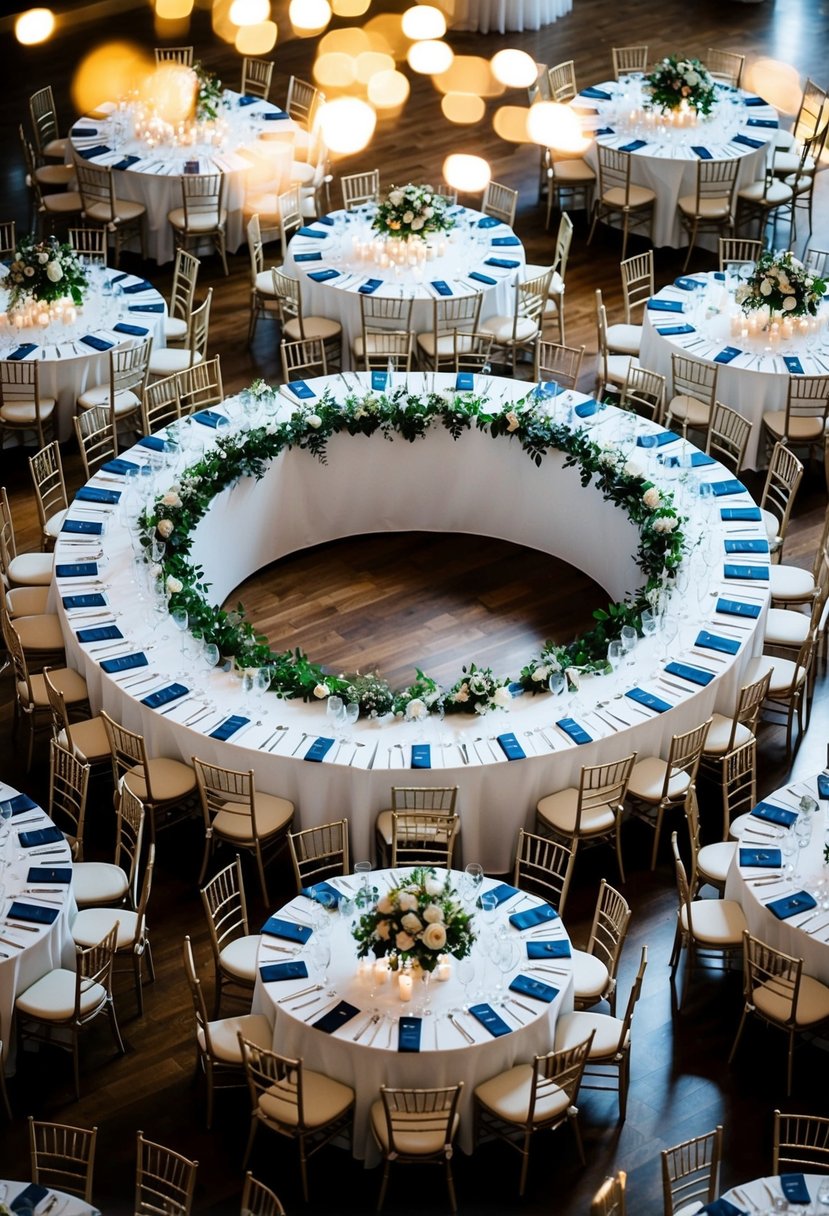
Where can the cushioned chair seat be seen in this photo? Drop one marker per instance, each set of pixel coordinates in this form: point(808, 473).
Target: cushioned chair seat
point(264, 283)
point(98, 882)
point(56, 148)
point(69, 682)
point(31, 569)
point(716, 922)
point(786, 627)
point(254, 1027)
point(799, 184)
point(89, 738)
point(574, 1028)
point(40, 632)
point(776, 194)
point(638, 196)
point(590, 976)
point(559, 810)
point(791, 583)
point(93, 924)
point(695, 412)
point(125, 210)
point(323, 1100)
point(501, 328)
point(782, 673)
point(714, 860)
point(618, 367)
point(803, 429)
point(315, 327)
point(170, 779)
point(812, 1002)
point(54, 523)
point(52, 997)
point(272, 813)
point(239, 957)
point(648, 778)
point(572, 171)
point(771, 524)
point(302, 173)
point(19, 413)
point(27, 601)
point(197, 221)
point(54, 175)
point(789, 162)
point(126, 401)
point(413, 1143)
point(445, 343)
point(175, 329)
point(709, 208)
point(624, 339)
point(166, 361)
point(508, 1096)
point(719, 735)
point(383, 826)
point(64, 202)
point(739, 825)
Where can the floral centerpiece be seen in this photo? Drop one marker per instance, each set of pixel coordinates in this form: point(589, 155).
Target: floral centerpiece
point(416, 922)
point(782, 284)
point(412, 211)
point(675, 82)
point(208, 95)
point(45, 271)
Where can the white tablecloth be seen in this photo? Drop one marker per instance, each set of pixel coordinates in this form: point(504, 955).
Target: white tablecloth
point(759, 1194)
point(48, 946)
point(491, 16)
point(507, 497)
point(756, 381)
point(465, 248)
point(68, 366)
point(811, 942)
point(155, 178)
point(445, 1057)
point(667, 164)
point(67, 1205)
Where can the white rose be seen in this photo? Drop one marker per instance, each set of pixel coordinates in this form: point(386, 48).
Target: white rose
point(408, 216)
point(652, 498)
point(573, 676)
point(541, 674)
point(789, 303)
point(433, 915)
point(692, 78)
point(513, 421)
point(396, 198)
point(43, 258)
point(164, 528)
point(54, 272)
point(502, 697)
point(433, 886)
point(406, 901)
point(462, 694)
point(412, 923)
point(385, 905)
point(174, 585)
point(314, 421)
point(403, 941)
point(428, 212)
point(417, 224)
point(321, 691)
point(29, 271)
point(416, 709)
point(633, 469)
point(171, 499)
point(765, 288)
point(382, 930)
point(434, 937)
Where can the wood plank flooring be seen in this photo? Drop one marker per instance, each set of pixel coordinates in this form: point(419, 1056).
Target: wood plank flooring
point(681, 1082)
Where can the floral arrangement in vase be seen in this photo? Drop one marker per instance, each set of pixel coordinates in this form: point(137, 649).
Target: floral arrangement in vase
point(45, 271)
point(208, 95)
point(415, 922)
point(782, 284)
point(412, 211)
point(675, 82)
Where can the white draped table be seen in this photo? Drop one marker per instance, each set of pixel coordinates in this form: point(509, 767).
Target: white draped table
point(500, 16)
point(445, 1056)
point(58, 1203)
point(764, 1195)
point(474, 485)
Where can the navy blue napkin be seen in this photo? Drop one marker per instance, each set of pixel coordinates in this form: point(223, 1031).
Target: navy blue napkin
point(604, 131)
point(534, 988)
point(421, 755)
point(90, 599)
point(727, 354)
point(90, 153)
point(721, 1207)
point(275, 926)
point(102, 633)
point(308, 257)
point(688, 284)
point(135, 289)
point(125, 662)
point(322, 219)
point(83, 132)
point(482, 278)
point(754, 101)
point(408, 1034)
point(694, 674)
point(134, 331)
point(18, 804)
point(300, 389)
point(465, 382)
point(274, 115)
point(29, 1198)
point(87, 527)
point(247, 100)
point(545, 389)
point(502, 893)
point(701, 151)
point(488, 1018)
point(273, 973)
point(738, 608)
point(441, 287)
point(595, 94)
point(337, 1017)
point(657, 305)
point(320, 236)
point(23, 350)
point(322, 276)
point(662, 438)
point(793, 364)
point(127, 162)
point(533, 916)
point(634, 145)
point(119, 467)
point(748, 142)
point(39, 836)
point(823, 786)
point(587, 409)
point(154, 442)
point(505, 240)
point(379, 381)
point(369, 287)
point(33, 912)
point(754, 573)
point(163, 696)
point(191, 166)
point(557, 949)
point(746, 545)
point(712, 641)
point(229, 727)
point(489, 221)
point(510, 746)
point(61, 874)
point(648, 699)
point(668, 331)
point(323, 893)
point(762, 858)
point(96, 343)
point(770, 813)
point(504, 263)
point(211, 418)
point(577, 733)
point(730, 486)
point(791, 905)
point(146, 307)
point(97, 494)
point(794, 1188)
point(319, 749)
point(762, 122)
point(740, 513)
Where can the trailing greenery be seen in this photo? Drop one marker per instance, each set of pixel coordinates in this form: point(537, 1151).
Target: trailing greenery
point(402, 413)
point(208, 95)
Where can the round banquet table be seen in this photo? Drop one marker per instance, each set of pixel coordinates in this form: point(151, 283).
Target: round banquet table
point(755, 379)
point(666, 162)
point(489, 16)
point(53, 1203)
point(29, 949)
point(257, 132)
point(468, 247)
point(759, 1195)
point(445, 1056)
point(74, 358)
point(501, 494)
point(803, 934)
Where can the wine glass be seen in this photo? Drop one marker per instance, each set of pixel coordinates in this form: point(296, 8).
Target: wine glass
point(181, 620)
point(506, 960)
point(351, 713)
point(489, 908)
point(647, 442)
point(557, 683)
point(321, 956)
point(473, 877)
point(248, 683)
point(362, 869)
point(334, 713)
point(629, 637)
point(465, 971)
point(788, 848)
point(5, 819)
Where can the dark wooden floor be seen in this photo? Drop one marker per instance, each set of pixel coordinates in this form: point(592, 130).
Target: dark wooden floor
point(681, 1082)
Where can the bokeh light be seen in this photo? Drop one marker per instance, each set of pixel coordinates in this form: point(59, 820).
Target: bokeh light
point(553, 125)
point(309, 17)
point(171, 89)
point(470, 174)
point(249, 12)
point(350, 8)
point(369, 63)
point(430, 58)
point(388, 90)
point(256, 39)
point(388, 27)
point(468, 74)
point(34, 26)
point(334, 71)
point(462, 108)
point(778, 82)
point(346, 124)
point(515, 69)
point(510, 123)
point(350, 41)
point(424, 21)
point(107, 73)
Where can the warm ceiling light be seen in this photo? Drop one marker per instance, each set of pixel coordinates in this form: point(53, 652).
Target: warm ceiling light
point(469, 74)
point(464, 108)
point(423, 21)
point(309, 17)
point(388, 90)
point(256, 39)
point(249, 12)
point(350, 8)
point(778, 82)
point(470, 174)
point(35, 26)
point(515, 69)
point(346, 124)
point(430, 58)
point(556, 126)
point(173, 10)
point(334, 70)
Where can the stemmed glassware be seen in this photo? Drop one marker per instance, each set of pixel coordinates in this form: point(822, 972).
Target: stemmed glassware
point(506, 959)
point(180, 619)
point(471, 882)
point(465, 971)
point(362, 869)
point(335, 713)
point(351, 713)
point(5, 835)
point(628, 637)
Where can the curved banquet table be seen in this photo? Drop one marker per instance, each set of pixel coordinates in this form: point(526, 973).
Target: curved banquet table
point(764, 1194)
point(28, 948)
point(257, 132)
point(68, 364)
point(486, 488)
point(56, 1203)
point(499, 16)
point(466, 248)
point(666, 162)
point(805, 933)
point(445, 1056)
point(755, 378)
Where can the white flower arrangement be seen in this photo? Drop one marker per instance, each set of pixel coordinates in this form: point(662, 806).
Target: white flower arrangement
point(45, 270)
point(782, 284)
point(416, 922)
point(412, 211)
point(675, 82)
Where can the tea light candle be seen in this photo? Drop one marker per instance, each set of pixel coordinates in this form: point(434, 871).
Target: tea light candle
point(381, 971)
point(444, 968)
point(786, 327)
point(404, 985)
point(365, 970)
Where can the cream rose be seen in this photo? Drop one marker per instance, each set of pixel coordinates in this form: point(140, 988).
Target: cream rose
point(406, 901)
point(385, 905)
point(54, 272)
point(404, 942)
point(171, 499)
point(314, 421)
point(416, 709)
point(540, 674)
point(513, 421)
point(383, 930)
point(502, 697)
point(164, 528)
point(433, 914)
point(434, 937)
point(433, 886)
point(412, 923)
point(652, 498)
point(632, 468)
point(174, 585)
point(321, 691)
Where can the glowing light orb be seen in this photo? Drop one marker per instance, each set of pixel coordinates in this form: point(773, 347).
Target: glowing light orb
point(515, 69)
point(249, 12)
point(430, 58)
point(388, 90)
point(256, 39)
point(34, 26)
point(554, 125)
point(464, 108)
point(423, 21)
point(346, 124)
point(468, 173)
point(309, 17)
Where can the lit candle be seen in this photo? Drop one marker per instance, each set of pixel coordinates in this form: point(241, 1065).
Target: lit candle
point(444, 968)
point(381, 971)
point(404, 985)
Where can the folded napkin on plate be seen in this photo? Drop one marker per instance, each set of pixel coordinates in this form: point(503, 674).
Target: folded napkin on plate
point(754, 573)
point(98, 494)
point(134, 331)
point(441, 287)
point(318, 750)
point(488, 1018)
point(505, 240)
point(154, 442)
point(301, 390)
point(323, 893)
point(125, 662)
point(23, 350)
point(662, 438)
point(211, 418)
point(127, 162)
point(534, 988)
point(510, 746)
point(465, 382)
point(102, 633)
point(82, 132)
point(489, 221)
point(748, 142)
point(657, 305)
point(649, 699)
point(369, 287)
point(761, 858)
point(634, 145)
point(408, 1034)
point(96, 343)
point(738, 608)
point(685, 671)
point(89, 599)
point(577, 733)
point(595, 94)
point(39, 874)
point(740, 513)
point(322, 276)
point(135, 289)
point(712, 641)
point(482, 278)
point(247, 100)
point(308, 257)
point(533, 916)
point(668, 331)
point(229, 727)
point(328, 220)
point(689, 284)
point(770, 813)
point(336, 1017)
point(163, 696)
point(91, 153)
point(18, 804)
point(502, 893)
point(191, 166)
point(274, 116)
point(721, 1207)
point(421, 755)
point(33, 912)
point(379, 381)
point(791, 905)
point(823, 786)
point(794, 1188)
point(587, 409)
point(754, 101)
point(86, 527)
point(701, 151)
point(746, 545)
point(504, 263)
point(793, 364)
point(727, 354)
point(276, 926)
point(604, 131)
point(762, 122)
point(273, 973)
point(39, 836)
point(549, 950)
point(146, 308)
point(730, 486)
point(119, 467)
point(29, 1198)
point(320, 236)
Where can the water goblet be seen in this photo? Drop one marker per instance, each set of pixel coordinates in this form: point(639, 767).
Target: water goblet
point(489, 909)
point(506, 960)
point(628, 637)
point(321, 956)
point(334, 711)
point(248, 682)
point(803, 831)
point(557, 683)
point(650, 623)
point(648, 444)
point(351, 713)
point(465, 971)
point(473, 878)
point(180, 619)
point(788, 848)
point(362, 869)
